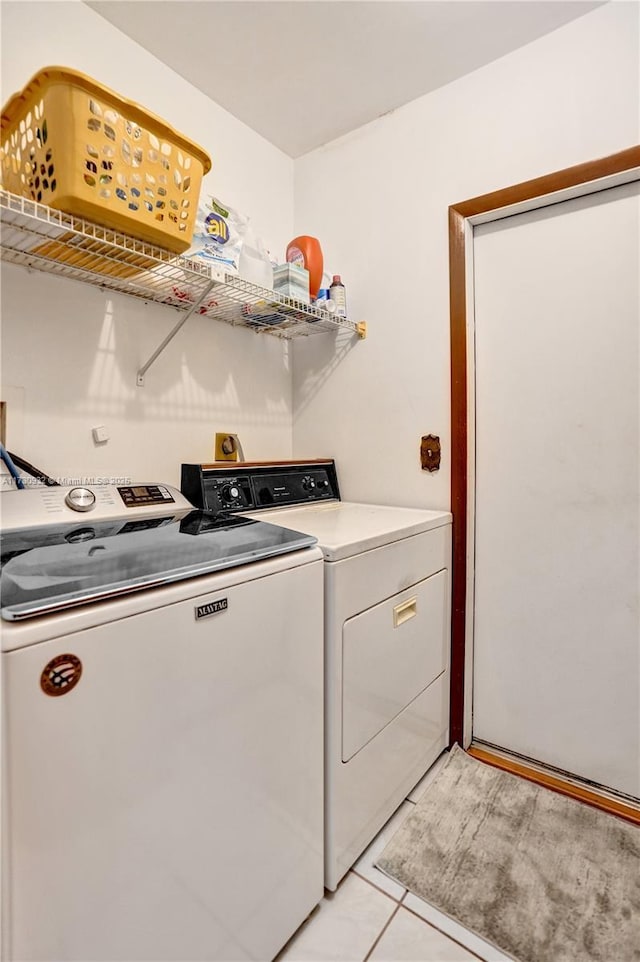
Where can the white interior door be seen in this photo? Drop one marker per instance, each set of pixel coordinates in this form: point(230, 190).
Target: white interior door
point(556, 625)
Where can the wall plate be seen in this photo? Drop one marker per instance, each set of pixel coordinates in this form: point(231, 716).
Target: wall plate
point(227, 447)
point(430, 452)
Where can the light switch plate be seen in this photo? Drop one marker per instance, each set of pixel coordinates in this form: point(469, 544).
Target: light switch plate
point(100, 434)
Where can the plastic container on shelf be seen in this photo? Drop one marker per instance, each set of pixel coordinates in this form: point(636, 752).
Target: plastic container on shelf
point(254, 264)
point(338, 294)
point(71, 143)
point(306, 252)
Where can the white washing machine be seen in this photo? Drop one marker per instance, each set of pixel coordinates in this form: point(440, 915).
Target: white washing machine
point(387, 635)
point(162, 737)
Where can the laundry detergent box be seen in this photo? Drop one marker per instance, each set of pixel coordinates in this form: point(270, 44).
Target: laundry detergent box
point(291, 280)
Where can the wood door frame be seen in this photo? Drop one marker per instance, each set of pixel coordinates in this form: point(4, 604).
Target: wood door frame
point(593, 176)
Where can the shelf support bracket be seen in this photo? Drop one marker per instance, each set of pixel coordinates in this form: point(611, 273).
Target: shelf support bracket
point(170, 336)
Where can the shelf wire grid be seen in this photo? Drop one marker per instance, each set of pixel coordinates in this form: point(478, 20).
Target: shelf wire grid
point(40, 238)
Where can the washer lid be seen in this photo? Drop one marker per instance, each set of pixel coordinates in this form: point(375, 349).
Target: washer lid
point(345, 528)
point(54, 567)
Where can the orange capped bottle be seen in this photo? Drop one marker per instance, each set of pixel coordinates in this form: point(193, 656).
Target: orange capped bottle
point(306, 252)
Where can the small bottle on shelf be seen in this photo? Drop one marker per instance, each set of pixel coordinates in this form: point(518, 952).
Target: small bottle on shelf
point(338, 294)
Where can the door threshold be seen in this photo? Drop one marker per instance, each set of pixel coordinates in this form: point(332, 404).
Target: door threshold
point(572, 788)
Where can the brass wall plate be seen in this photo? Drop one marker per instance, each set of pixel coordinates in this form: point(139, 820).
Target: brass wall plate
point(226, 447)
point(430, 452)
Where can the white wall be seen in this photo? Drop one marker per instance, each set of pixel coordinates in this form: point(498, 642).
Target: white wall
point(70, 352)
point(378, 200)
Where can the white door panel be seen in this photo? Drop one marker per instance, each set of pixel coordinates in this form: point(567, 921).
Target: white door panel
point(556, 629)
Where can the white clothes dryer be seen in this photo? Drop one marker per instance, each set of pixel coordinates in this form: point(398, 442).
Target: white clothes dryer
point(162, 737)
point(387, 635)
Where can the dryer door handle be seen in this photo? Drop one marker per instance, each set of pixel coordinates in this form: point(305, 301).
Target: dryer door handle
point(405, 611)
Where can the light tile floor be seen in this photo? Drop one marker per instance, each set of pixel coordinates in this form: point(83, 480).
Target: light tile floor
point(371, 918)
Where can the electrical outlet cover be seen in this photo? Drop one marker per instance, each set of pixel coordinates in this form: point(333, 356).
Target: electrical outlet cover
point(226, 447)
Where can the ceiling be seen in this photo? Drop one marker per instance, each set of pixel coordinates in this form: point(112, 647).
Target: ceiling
point(303, 72)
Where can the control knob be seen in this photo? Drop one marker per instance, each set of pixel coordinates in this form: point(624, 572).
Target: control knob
point(230, 492)
point(308, 484)
point(80, 499)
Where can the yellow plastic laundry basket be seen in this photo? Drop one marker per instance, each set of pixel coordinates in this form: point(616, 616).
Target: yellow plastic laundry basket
point(71, 143)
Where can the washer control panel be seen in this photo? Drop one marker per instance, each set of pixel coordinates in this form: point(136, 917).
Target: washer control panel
point(88, 504)
point(254, 486)
point(135, 495)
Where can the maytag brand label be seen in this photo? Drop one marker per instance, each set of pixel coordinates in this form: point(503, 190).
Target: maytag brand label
point(61, 675)
point(203, 611)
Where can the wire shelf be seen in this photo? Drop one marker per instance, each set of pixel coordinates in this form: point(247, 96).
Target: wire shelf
point(35, 236)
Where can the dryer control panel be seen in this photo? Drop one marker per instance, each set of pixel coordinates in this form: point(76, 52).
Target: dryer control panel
point(256, 485)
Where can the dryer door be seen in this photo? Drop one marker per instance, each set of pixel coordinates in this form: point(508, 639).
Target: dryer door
point(390, 653)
